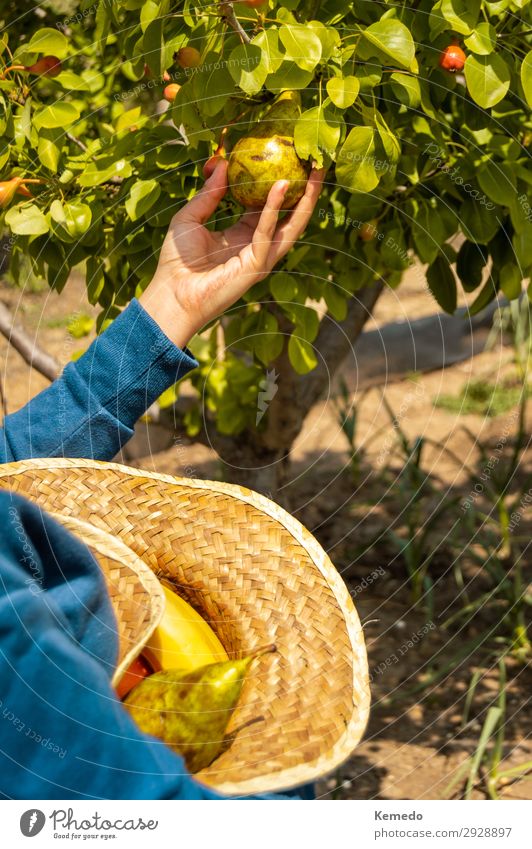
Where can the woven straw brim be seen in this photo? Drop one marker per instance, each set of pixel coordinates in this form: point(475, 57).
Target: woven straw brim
point(258, 577)
point(137, 595)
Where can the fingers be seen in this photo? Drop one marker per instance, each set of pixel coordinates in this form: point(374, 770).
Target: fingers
point(203, 204)
point(261, 242)
point(291, 229)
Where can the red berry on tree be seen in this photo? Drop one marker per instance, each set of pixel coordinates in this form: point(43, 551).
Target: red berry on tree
point(452, 58)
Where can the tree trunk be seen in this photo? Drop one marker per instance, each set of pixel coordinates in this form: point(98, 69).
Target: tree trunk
point(260, 459)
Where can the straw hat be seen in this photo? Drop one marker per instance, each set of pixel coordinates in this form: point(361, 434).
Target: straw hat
point(255, 574)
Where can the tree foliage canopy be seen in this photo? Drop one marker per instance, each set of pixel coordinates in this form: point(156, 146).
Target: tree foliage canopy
point(420, 152)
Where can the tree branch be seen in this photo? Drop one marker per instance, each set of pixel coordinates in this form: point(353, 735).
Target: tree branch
point(228, 14)
point(30, 352)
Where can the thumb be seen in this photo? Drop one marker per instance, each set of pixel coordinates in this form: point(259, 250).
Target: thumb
point(203, 204)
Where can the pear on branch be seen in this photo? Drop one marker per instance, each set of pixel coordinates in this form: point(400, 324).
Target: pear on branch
point(190, 711)
point(268, 154)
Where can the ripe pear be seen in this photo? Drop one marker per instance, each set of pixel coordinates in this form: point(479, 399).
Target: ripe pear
point(46, 66)
point(190, 711)
point(268, 154)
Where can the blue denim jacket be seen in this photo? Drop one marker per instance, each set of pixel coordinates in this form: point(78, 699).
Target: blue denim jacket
point(63, 732)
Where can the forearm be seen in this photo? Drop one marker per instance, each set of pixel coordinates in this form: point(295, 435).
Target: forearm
point(90, 411)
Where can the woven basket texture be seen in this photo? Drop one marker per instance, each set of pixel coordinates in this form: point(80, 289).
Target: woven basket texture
point(256, 575)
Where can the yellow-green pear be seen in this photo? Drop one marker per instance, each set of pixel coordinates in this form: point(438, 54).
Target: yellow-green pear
point(268, 154)
point(190, 711)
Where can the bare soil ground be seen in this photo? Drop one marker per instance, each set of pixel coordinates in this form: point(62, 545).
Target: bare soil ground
point(415, 741)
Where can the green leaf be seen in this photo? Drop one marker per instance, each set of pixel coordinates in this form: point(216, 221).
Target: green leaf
point(393, 251)
point(478, 223)
point(23, 121)
point(26, 220)
point(305, 319)
point(72, 81)
point(393, 40)
point(336, 300)
point(49, 148)
point(488, 79)
point(149, 11)
point(442, 283)
point(482, 40)
point(102, 170)
point(267, 342)
point(169, 396)
point(461, 14)
point(60, 114)
point(158, 54)
point(249, 67)
point(470, 263)
point(301, 355)
point(498, 181)
point(80, 326)
point(486, 295)
point(316, 132)
point(406, 89)
point(511, 280)
point(268, 41)
point(289, 76)
point(428, 233)
point(143, 195)
point(283, 287)
point(526, 77)
point(522, 245)
point(343, 91)
point(355, 165)
point(329, 37)
point(48, 40)
point(95, 279)
point(302, 45)
point(78, 217)
point(214, 84)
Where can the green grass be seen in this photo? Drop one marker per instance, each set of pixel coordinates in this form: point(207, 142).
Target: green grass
point(483, 398)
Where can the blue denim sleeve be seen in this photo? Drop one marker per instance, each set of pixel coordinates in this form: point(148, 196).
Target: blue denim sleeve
point(90, 411)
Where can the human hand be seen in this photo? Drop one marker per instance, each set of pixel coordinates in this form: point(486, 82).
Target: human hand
point(202, 272)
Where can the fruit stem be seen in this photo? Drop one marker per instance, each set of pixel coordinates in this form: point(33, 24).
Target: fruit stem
point(264, 650)
point(12, 68)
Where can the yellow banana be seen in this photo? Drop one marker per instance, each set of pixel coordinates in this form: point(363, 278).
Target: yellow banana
point(182, 639)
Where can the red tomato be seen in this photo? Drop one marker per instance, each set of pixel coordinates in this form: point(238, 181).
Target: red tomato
point(134, 674)
point(452, 58)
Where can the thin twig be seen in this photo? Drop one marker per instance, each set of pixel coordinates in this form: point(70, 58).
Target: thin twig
point(231, 19)
point(30, 352)
point(79, 143)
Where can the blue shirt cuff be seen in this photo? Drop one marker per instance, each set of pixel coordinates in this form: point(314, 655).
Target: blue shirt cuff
point(130, 365)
